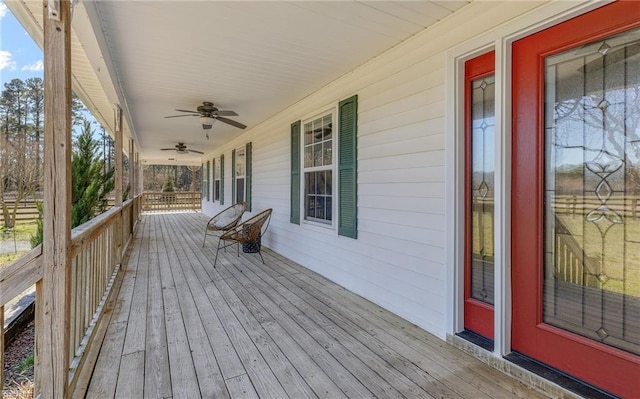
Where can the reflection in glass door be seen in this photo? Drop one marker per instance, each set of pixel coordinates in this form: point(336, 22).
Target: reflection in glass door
point(592, 186)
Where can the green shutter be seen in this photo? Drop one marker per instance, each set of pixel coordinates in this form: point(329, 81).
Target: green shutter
point(222, 179)
point(208, 182)
point(348, 167)
point(295, 173)
point(247, 177)
point(233, 177)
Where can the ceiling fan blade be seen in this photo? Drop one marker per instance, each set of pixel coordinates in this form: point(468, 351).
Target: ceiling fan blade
point(231, 122)
point(167, 149)
point(224, 113)
point(179, 116)
point(197, 152)
point(184, 110)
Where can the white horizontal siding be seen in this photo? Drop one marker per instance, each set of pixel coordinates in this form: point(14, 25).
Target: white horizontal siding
point(398, 260)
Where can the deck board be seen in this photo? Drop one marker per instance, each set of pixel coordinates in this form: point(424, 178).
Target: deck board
point(184, 329)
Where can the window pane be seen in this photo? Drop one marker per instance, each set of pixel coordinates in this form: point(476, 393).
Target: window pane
point(239, 190)
point(592, 186)
point(240, 162)
point(327, 126)
point(308, 133)
point(317, 155)
point(320, 214)
point(329, 182)
point(308, 156)
point(482, 188)
point(317, 201)
point(327, 152)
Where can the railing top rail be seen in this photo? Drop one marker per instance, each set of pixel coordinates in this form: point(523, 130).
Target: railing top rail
point(20, 275)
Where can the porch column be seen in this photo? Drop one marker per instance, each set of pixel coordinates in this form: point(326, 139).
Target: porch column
point(131, 169)
point(53, 350)
point(118, 150)
point(136, 175)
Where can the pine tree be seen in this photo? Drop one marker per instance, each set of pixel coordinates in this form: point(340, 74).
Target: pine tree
point(91, 183)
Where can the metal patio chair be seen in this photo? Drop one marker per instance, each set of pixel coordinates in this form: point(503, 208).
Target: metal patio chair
point(225, 220)
point(248, 234)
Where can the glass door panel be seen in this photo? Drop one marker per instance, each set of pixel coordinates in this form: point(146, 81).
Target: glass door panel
point(479, 194)
point(592, 186)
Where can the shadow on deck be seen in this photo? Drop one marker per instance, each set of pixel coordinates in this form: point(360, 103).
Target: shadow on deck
point(182, 329)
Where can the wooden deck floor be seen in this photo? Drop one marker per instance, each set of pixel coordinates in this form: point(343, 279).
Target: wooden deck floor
point(182, 329)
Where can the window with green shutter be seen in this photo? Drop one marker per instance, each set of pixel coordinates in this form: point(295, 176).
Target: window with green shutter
point(294, 216)
point(216, 179)
point(222, 179)
point(348, 167)
point(248, 177)
point(233, 177)
point(323, 157)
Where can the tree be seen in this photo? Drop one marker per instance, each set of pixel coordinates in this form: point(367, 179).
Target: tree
point(91, 183)
point(168, 186)
point(18, 173)
point(35, 106)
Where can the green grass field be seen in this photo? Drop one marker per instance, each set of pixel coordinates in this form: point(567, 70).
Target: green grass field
point(21, 233)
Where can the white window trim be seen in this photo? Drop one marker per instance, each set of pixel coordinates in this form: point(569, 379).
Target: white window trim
point(322, 226)
point(243, 177)
point(500, 39)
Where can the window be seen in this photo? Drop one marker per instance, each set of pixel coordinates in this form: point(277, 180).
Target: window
point(318, 169)
point(216, 179)
point(206, 180)
point(239, 175)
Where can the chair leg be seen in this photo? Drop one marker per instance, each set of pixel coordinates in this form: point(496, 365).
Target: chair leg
point(238, 246)
point(216, 259)
point(260, 253)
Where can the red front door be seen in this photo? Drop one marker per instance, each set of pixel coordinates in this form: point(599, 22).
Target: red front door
point(479, 190)
point(576, 185)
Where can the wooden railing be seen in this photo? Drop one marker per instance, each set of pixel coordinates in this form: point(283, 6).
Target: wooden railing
point(97, 248)
point(571, 263)
point(176, 201)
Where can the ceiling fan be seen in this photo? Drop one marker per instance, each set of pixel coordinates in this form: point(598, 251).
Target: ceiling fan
point(208, 113)
point(180, 148)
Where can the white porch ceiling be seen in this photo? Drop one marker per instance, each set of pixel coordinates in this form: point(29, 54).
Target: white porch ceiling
point(255, 58)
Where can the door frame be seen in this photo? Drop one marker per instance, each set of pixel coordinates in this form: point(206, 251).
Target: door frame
point(499, 39)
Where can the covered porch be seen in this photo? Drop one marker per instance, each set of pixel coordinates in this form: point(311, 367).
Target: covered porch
point(178, 327)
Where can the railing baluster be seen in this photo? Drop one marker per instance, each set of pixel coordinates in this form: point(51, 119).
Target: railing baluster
point(1, 349)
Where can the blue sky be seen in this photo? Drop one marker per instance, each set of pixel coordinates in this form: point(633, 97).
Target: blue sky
point(20, 56)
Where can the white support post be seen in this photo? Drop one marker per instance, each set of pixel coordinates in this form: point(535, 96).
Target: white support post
point(53, 350)
point(118, 151)
point(131, 169)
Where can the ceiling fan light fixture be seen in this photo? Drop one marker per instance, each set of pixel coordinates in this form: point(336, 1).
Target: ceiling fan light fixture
point(207, 122)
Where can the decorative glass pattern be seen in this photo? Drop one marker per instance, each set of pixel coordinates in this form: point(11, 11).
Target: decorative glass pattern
point(482, 188)
point(592, 188)
point(318, 169)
